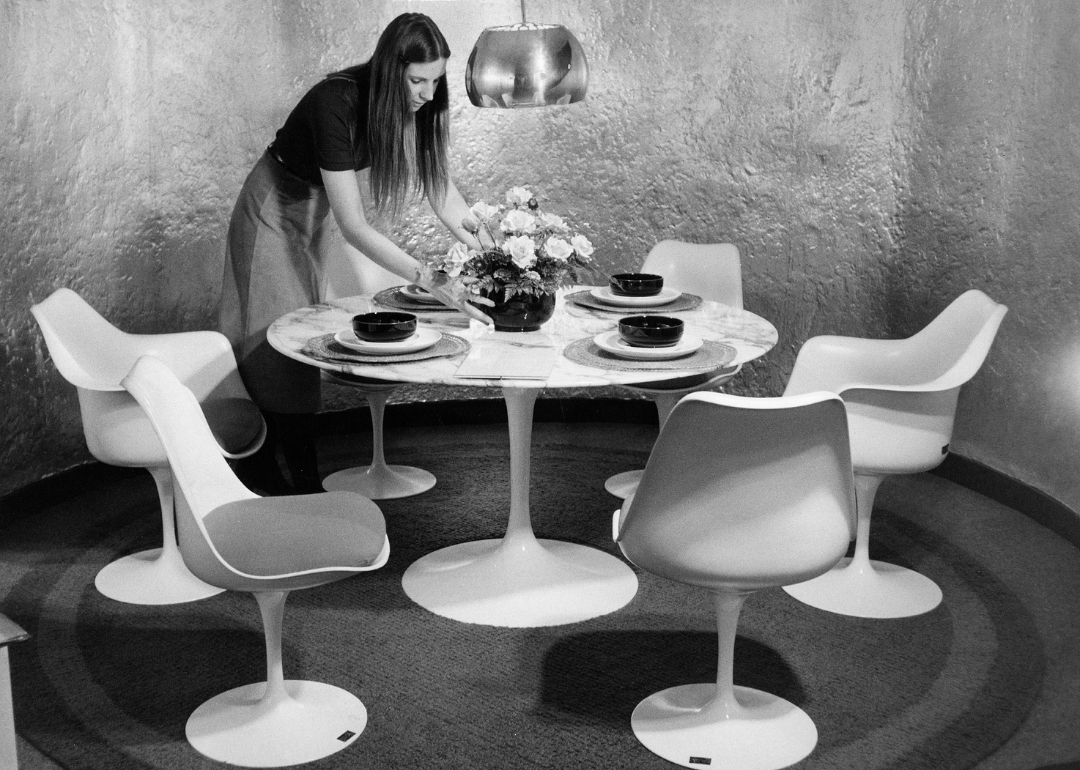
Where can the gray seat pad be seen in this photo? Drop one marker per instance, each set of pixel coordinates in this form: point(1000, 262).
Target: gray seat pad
point(271, 536)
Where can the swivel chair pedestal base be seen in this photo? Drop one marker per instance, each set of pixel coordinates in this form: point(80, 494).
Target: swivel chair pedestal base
point(869, 589)
point(156, 576)
point(380, 481)
point(314, 721)
point(624, 484)
point(763, 732)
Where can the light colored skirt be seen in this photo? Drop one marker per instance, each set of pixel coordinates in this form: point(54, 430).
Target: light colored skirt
point(272, 268)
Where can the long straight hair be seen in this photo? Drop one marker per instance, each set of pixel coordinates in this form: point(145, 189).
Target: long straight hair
point(408, 150)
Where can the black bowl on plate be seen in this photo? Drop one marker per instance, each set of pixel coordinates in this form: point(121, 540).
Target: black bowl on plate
point(636, 284)
point(384, 326)
point(650, 331)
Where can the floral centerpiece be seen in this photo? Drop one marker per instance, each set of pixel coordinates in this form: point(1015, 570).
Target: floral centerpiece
point(527, 254)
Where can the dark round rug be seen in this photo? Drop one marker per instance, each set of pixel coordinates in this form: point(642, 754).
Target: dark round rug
point(110, 685)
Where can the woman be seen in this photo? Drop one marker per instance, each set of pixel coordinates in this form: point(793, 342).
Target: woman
point(388, 118)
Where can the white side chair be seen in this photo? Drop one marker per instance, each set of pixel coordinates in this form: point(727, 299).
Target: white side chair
point(901, 398)
point(713, 271)
point(93, 355)
point(739, 495)
point(378, 480)
point(269, 546)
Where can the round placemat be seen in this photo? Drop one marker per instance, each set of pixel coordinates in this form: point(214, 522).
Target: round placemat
point(711, 355)
point(680, 303)
point(393, 297)
point(326, 348)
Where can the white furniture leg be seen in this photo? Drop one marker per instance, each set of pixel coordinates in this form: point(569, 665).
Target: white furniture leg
point(278, 722)
point(721, 724)
point(159, 575)
point(379, 481)
point(864, 588)
point(518, 580)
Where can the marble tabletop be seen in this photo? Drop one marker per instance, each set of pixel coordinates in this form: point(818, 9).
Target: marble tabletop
point(748, 334)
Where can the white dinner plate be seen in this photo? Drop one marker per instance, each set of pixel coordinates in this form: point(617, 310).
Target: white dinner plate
point(416, 294)
point(614, 344)
point(605, 295)
point(423, 338)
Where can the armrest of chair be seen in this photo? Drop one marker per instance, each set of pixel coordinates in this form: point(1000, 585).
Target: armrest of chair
point(11, 632)
point(838, 364)
point(202, 360)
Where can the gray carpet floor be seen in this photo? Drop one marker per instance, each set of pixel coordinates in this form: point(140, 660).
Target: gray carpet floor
point(1033, 572)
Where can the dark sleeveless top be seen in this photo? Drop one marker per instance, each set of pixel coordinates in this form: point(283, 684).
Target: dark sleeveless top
point(328, 127)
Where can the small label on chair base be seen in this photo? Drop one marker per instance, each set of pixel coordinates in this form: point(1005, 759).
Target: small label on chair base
point(346, 735)
point(700, 761)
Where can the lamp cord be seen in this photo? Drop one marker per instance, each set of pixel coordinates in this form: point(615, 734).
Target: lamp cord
point(522, 11)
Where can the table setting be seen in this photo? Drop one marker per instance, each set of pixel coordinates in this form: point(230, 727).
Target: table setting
point(550, 332)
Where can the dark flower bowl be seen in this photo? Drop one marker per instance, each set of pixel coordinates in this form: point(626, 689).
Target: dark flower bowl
point(636, 284)
point(384, 327)
point(650, 331)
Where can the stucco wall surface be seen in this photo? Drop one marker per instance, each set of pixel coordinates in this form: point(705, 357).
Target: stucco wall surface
point(871, 159)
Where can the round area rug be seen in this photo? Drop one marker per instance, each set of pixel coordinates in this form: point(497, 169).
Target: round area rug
point(108, 685)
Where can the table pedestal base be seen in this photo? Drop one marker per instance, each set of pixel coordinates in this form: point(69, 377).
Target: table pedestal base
point(537, 583)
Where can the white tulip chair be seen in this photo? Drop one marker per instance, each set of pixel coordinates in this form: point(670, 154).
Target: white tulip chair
point(713, 271)
point(739, 495)
point(268, 546)
point(901, 397)
point(93, 355)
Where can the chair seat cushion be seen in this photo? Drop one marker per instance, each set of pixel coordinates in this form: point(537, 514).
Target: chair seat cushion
point(235, 422)
point(277, 536)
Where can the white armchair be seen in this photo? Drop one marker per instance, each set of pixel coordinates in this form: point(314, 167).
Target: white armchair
point(901, 398)
point(93, 355)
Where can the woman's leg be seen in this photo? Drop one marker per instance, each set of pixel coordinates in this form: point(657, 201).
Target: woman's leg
point(297, 437)
point(260, 472)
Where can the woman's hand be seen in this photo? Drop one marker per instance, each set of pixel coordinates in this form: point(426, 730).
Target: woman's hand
point(452, 293)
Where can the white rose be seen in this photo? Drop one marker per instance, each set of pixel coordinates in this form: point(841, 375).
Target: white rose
point(456, 258)
point(482, 211)
point(521, 249)
point(558, 249)
point(553, 222)
point(582, 246)
point(518, 196)
point(518, 221)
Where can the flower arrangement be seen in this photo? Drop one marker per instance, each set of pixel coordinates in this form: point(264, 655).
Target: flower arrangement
point(526, 250)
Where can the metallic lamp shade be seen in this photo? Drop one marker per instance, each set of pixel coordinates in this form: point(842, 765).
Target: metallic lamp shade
point(526, 65)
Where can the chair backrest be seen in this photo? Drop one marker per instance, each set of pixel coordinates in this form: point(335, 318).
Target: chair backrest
point(713, 271)
point(744, 493)
point(94, 356)
point(943, 355)
point(901, 395)
point(206, 485)
point(88, 351)
point(199, 469)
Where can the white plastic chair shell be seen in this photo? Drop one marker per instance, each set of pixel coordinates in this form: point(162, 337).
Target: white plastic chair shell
point(739, 495)
point(93, 355)
point(713, 271)
point(277, 722)
point(901, 397)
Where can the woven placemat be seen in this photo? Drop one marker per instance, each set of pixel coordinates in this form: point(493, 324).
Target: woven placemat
point(393, 297)
point(326, 348)
point(680, 303)
point(711, 355)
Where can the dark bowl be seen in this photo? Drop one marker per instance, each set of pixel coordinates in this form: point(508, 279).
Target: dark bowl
point(636, 284)
point(384, 327)
point(650, 331)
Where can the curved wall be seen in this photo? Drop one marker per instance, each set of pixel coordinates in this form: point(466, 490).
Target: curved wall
point(872, 159)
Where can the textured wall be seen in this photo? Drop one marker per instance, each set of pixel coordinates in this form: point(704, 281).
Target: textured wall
point(871, 158)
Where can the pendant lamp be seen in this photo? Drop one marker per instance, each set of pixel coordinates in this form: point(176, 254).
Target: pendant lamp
point(526, 65)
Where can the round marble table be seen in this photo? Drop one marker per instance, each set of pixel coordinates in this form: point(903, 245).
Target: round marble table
point(518, 580)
